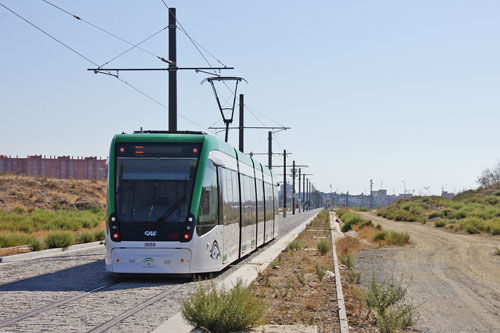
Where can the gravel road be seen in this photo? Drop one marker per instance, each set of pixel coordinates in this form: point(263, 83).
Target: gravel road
point(455, 277)
point(31, 284)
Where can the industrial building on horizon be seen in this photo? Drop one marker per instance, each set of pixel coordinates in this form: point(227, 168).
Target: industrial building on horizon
point(92, 168)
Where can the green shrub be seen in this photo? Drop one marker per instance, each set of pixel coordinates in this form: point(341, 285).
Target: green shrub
point(98, 235)
point(221, 310)
point(323, 247)
point(397, 238)
point(18, 210)
point(321, 271)
point(36, 244)
point(13, 239)
point(352, 276)
point(295, 245)
point(440, 223)
point(380, 236)
point(58, 239)
point(85, 237)
point(347, 259)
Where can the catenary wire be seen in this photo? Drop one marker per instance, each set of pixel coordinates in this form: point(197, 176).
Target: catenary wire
point(103, 30)
point(135, 46)
point(188, 36)
point(49, 35)
point(89, 60)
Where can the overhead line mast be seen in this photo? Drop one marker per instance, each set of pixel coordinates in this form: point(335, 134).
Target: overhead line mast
point(172, 70)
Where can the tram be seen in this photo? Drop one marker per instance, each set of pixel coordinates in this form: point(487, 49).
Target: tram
point(184, 202)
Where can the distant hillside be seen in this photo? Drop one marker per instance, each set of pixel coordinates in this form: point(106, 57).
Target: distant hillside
point(50, 193)
point(473, 211)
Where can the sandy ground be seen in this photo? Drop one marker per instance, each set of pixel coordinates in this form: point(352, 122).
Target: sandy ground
point(454, 277)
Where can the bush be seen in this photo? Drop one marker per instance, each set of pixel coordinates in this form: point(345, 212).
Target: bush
point(440, 223)
point(295, 245)
point(98, 235)
point(321, 271)
point(347, 259)
point(323, 247)
point(221, 310)
point(13, 239)
point(59, 239)
point(36, 244)
point(397, 238)
point(380, 236)
point(85, 237)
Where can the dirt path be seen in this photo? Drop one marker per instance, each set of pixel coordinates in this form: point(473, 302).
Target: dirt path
point(455, 277)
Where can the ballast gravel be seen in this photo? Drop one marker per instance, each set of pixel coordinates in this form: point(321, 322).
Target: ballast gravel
point(31, 284)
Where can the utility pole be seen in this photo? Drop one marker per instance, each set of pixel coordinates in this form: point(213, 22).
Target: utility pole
point(293, 188)
point(300, 202)
point(284, 183)
point(371, 193)
point(242, 107)
point(172, 71)
point(270, 150)
point(304, 192)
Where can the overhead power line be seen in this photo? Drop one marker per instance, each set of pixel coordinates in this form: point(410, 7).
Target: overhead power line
point(49, 35)
point(79, 18)
point(94, 63)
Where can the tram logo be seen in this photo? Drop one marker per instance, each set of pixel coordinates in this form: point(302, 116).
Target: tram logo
point(150, 233)
point(215, 251)
point(148, 261)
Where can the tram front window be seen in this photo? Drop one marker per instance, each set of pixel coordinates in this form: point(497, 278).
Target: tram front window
point(150, 190)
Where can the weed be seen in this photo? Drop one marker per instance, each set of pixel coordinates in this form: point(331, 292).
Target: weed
point(85, 237)
point(397, 238)
point(321, 271)
point(18, 210)
point(323, 247)
point(379, 226)
point(380, 236)
point(36, 244)
point(311, 305)
point(222, 310)
point(13, 239)
point(295, 245)
point(59, 239)
point(440, 223)
point(300, 277)
point(98, 235)
point(347, 259)
point(352, 276)
point(497, 251)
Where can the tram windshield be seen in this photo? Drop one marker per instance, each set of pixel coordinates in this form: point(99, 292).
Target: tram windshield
point(150, 190)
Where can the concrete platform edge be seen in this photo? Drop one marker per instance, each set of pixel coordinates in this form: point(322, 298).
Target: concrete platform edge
point(247, 272)
point(344, 325)
point(49, 252)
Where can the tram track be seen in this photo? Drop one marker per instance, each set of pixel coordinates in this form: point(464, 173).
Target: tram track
point(53, 305)
point(126, 314)
point(135, 303)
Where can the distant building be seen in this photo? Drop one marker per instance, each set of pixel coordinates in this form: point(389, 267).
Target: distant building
point(56, 167)
point(447, 195)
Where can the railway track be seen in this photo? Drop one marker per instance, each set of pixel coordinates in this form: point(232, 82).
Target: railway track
point(101, 327)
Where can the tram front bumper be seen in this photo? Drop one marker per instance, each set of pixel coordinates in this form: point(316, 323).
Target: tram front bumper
point(158, 260)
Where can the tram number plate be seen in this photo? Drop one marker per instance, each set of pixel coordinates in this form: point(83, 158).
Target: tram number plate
point(149, 244)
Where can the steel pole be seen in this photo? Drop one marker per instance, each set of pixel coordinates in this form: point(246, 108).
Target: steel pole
point(270, 150)
point(293, 188)
point(300, 202)
point(284, 183)
point(172, 71)
point(242, 106)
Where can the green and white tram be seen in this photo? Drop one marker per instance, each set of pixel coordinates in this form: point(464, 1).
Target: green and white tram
point(184, 202)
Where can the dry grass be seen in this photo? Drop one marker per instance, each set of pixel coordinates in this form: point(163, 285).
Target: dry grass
point(348, 244)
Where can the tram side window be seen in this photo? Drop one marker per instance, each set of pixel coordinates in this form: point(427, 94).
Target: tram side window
point(276, 200)
point(207, 215)
point(231, 201)
point(269, 201)
point(260, 200)
point(248, 200)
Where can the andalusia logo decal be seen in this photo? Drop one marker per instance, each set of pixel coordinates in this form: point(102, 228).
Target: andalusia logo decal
point(215, 251)
point(148, 261)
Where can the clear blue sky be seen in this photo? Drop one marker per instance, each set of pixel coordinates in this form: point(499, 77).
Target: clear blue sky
point(383, 90)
